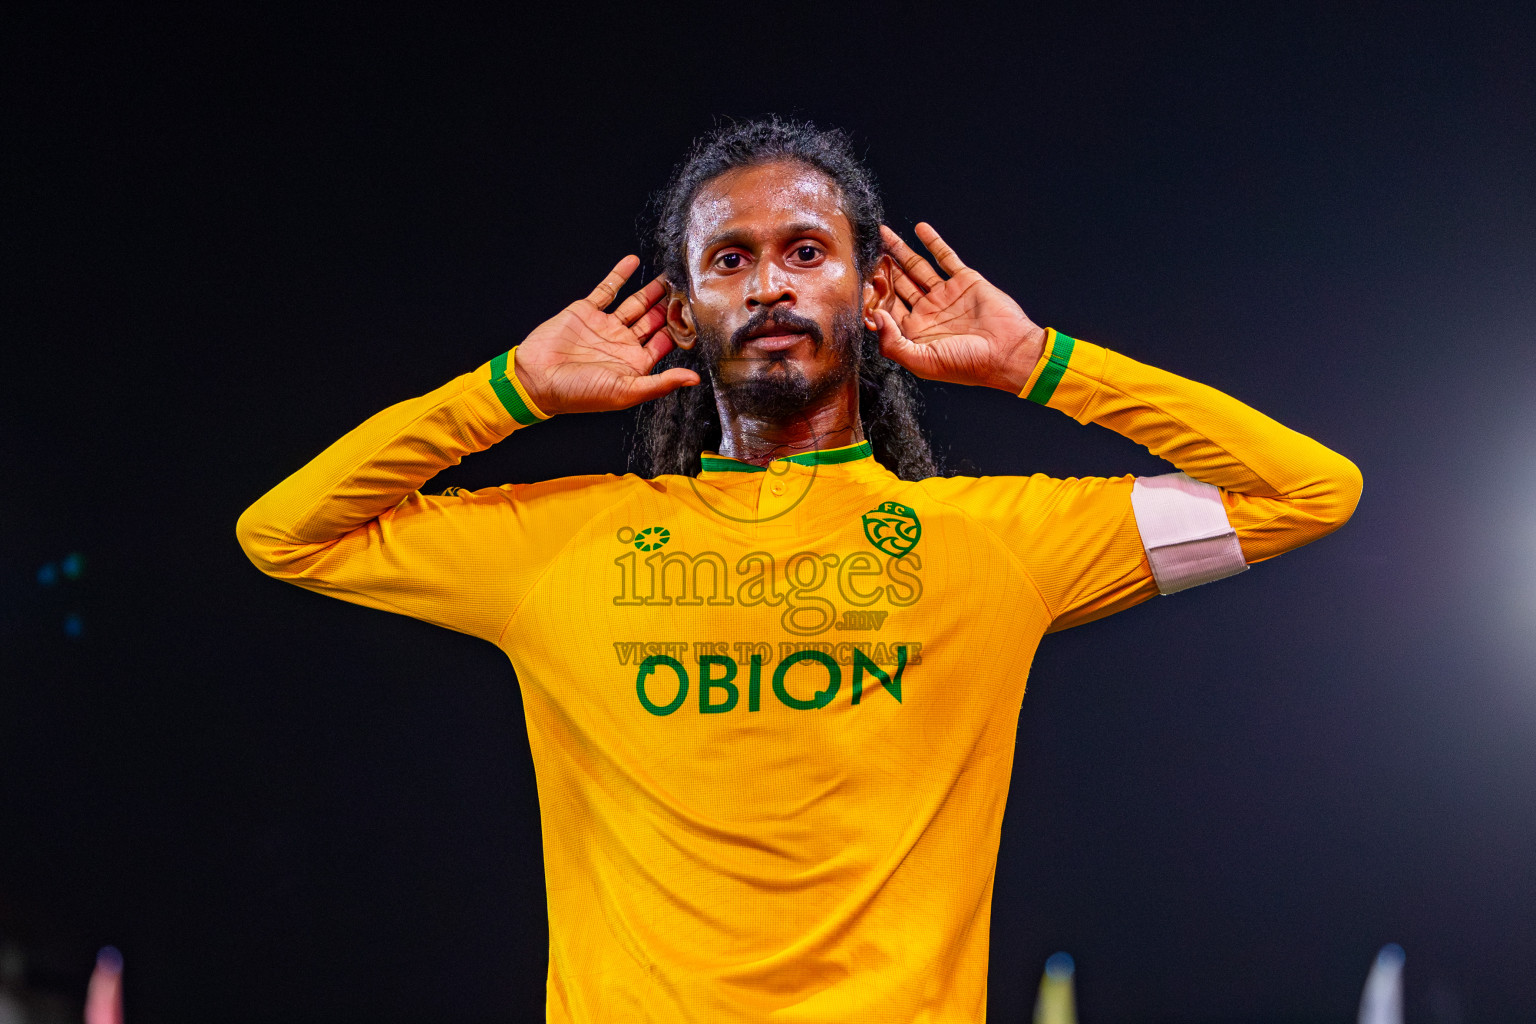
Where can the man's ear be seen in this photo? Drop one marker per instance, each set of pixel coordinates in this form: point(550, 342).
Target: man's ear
point(879, 292)
point(680, 320)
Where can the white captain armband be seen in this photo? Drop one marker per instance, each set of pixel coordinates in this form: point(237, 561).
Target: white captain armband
point(1185, 531)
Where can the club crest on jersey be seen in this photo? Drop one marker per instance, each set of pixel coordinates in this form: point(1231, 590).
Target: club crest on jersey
point(893, 528)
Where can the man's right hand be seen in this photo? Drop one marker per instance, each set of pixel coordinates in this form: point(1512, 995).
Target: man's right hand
point(585, 360)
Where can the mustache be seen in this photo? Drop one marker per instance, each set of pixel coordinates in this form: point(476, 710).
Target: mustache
point(770, 321)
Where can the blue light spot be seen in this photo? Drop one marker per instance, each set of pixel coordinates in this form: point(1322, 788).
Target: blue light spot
point(73, 565)
point(73, 625)
point(1060, 966)
point(48, 575)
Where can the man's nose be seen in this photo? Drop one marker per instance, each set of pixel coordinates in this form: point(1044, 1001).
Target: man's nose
point(770, 286)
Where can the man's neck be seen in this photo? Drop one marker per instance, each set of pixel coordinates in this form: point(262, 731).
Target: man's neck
point(832, 422)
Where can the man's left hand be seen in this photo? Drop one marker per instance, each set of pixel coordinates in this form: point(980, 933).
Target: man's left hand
point(961, 329)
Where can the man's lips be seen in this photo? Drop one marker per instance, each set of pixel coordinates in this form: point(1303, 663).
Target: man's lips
point(775, 342)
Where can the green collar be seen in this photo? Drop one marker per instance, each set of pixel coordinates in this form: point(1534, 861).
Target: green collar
point(713, 463)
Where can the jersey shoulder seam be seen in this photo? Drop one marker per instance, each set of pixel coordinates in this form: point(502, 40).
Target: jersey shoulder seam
point(1088, 599)
point(1012, 555)
point(539, 580)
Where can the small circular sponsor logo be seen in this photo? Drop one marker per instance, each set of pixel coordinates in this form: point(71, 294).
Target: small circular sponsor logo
point(648, 539)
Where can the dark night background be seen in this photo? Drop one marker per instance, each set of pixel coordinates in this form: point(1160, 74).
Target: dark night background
point(229, 238)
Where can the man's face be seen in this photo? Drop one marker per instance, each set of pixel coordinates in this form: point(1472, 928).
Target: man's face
point(775, 299)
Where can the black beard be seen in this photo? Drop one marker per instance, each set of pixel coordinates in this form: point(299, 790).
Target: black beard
point(785, 392)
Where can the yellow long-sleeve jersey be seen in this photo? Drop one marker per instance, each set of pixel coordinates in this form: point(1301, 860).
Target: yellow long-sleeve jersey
point(772, 710)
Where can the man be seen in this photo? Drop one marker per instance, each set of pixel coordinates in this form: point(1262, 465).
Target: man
point(772, 688)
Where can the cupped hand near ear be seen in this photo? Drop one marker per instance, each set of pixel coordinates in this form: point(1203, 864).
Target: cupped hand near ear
point(584, 359)
point(961, 329)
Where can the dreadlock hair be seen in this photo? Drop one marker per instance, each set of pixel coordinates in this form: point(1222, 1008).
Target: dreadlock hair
point(671, 431)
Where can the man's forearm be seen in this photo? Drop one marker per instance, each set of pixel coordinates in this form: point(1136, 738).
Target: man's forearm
point(1283, 489)
point(369, 470)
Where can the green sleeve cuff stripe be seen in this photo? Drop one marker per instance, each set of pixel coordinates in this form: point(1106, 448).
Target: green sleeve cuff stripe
point(506, 391)
point(1055, 367)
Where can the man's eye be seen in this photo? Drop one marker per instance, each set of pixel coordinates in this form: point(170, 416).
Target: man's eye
point(807, 252)
point(730, 260)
